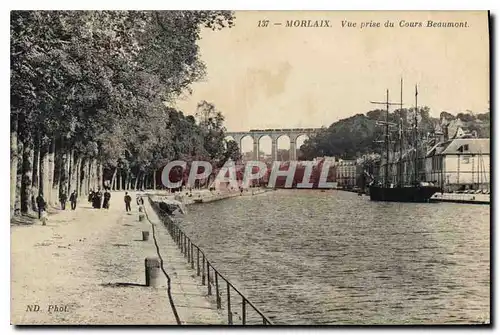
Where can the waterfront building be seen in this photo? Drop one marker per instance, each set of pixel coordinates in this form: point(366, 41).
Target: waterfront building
point(459, 164)
point(346, 173)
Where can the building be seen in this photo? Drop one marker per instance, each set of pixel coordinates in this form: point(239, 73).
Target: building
point(346, 173)
point(459, 164)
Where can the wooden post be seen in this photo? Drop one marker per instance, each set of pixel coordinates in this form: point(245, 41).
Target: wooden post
point(185, 247)
point(244, 312)
point(208, 279)
point(145, 235)
point(198, 262)
point(203, 271)
point(229, 314)
point(152, 265)
point(217, 290)
point(192, 256)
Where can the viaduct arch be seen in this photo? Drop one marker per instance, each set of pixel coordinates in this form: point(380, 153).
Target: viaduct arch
point(274, 134)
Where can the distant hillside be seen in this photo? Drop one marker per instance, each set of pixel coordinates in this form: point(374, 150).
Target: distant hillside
point(357, 135)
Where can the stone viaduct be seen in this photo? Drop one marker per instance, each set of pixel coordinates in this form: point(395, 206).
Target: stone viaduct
point(274, 134)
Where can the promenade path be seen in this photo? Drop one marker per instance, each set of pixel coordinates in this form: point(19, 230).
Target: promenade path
point(90, 264)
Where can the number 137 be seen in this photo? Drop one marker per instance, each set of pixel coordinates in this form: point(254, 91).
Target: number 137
point(263, 23)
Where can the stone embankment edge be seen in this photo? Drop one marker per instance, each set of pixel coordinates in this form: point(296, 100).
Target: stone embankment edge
point(169, 285)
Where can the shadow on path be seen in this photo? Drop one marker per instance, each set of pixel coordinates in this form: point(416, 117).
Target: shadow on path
point(123, 285)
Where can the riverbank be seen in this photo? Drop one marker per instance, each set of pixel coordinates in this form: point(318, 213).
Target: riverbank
point(86, 267)
point(203, 195)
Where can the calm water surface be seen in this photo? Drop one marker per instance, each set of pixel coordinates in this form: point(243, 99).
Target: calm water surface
point(311, 257)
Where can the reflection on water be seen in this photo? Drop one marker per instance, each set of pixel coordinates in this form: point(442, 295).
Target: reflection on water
point(310, 257)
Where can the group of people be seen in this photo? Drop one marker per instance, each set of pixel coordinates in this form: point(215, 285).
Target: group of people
point(63, 199)
point(96, 198)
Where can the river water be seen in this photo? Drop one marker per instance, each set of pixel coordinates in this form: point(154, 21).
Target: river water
point(312, 257)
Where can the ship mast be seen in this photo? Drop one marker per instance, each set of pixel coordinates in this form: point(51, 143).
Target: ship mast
point(386, 123)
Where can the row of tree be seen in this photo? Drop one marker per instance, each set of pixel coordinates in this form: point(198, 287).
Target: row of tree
point(89, 97)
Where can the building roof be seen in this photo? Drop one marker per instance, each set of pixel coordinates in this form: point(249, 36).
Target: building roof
point(476, 146)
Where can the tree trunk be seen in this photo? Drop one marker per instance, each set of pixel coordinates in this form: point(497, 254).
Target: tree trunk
point(83, 177)
point(89, 169)
point(71, 163)
point(76, 174)
point(99, 175)
point(36, 165)
point(75, 160)
point(50, 170)
point(19, 175)
point(118, 179)
point(27, 176)
point(141, 181)
point(113, 180)
point(95, 183)
point(14, 159)
point(137, 180)
point(154, 179)
point(43, 169)
point(63, 179)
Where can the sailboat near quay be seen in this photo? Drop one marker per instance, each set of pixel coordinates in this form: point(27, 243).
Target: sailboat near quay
point(398, 188)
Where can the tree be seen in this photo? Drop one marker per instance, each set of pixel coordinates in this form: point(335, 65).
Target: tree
point(88, 92)
point(211, 122)
point(232, 151)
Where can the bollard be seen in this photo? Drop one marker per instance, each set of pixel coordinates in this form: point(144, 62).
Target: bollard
point(152, 265)
point(145, 235)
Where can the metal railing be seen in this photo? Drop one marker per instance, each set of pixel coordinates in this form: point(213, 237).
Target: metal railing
point(212, 278)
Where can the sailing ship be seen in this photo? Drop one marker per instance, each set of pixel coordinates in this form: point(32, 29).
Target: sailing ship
point(401, 190)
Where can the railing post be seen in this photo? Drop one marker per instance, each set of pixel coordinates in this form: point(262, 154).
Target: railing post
point(203, 271)
point(244, 312)
point(192, 256)
point(184, 245)
point(208, 279)
point(198, 261)
point(229, 314)
point(264, 322)
point(217, 289)
point(180, 239)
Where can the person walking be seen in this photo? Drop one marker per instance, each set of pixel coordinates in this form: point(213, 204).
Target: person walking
point(63, 198)
point(98, 198)
point(107, 197)
point(72, 200)
point(127, 200)
point(40, 204)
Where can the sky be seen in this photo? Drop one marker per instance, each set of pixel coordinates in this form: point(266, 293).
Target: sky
point(290, 77)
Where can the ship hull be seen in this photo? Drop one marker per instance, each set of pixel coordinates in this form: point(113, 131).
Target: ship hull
point(403, 194)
